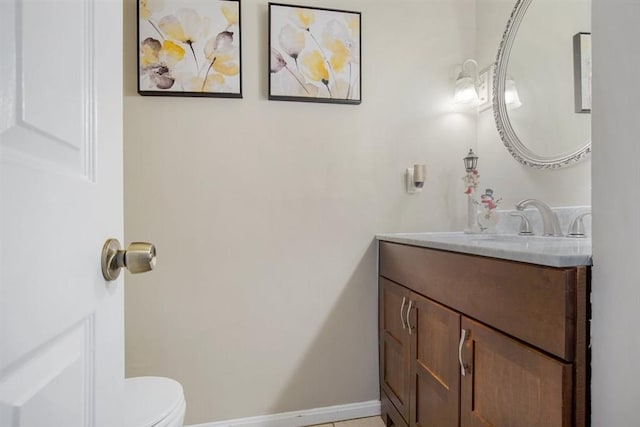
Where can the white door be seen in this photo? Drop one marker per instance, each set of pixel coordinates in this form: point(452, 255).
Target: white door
point(61, 323)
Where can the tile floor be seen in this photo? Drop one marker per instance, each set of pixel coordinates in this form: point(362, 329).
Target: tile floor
point(360, 422)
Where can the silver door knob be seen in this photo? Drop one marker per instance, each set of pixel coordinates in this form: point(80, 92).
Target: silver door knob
point(139, 257)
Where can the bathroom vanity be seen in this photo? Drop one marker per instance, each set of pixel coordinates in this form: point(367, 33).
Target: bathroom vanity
point(483, 331)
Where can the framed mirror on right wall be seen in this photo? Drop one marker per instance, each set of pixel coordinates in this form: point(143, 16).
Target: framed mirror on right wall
point(545, 50)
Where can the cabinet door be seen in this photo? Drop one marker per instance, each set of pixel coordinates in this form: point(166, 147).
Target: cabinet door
point(434, 373)
point(394, 345)
point(507, 383)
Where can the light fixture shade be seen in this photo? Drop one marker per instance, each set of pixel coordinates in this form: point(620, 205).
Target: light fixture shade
point(465, 92)
point(511, 98)
point(470, 161)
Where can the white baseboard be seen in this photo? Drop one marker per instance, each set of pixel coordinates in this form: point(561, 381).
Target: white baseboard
point(303, 418)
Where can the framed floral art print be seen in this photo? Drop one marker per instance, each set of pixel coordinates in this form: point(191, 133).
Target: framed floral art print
point(189, 48)
point(314, 54)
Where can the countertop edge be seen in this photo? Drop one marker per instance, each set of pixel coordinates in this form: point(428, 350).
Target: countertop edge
point(549, 260)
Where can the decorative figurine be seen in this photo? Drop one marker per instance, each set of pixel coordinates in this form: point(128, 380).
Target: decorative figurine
point(486, 220)
point(480, 216)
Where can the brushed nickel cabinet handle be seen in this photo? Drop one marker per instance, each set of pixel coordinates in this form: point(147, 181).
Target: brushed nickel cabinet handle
point(139, 257)
point(463, 337)
point(409, 320)
point(404, 299)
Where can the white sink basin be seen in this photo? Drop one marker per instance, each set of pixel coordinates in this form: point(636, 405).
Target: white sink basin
point(500, 238)
point(518, 239)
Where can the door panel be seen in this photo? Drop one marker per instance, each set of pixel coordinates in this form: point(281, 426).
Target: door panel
point(61, 326)
point(50, 384)
point(394, 345)
point(394, 377)
point(434, 370)
point(48, 101)
point(511, 384)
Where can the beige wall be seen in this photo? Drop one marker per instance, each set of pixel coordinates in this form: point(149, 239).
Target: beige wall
point(564, 187)
point(264, 212)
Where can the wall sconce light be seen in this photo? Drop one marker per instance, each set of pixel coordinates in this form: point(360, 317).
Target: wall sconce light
point(511, 98)
point(466, 92)
point(474, 90)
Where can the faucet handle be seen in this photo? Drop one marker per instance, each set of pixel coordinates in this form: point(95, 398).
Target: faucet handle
point(576, 229)
point(525, 226)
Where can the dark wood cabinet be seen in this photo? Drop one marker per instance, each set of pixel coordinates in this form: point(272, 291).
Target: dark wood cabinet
point(394, 345)
point(434, 370)
point(418, 351)
point(471, 341)
point(507, 383)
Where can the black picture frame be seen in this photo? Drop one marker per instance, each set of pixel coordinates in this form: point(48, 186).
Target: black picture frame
point(314, 54)
point(163, 53)
point(582, 72)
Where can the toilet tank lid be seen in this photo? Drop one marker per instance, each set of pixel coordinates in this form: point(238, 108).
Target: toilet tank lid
point(149, 400)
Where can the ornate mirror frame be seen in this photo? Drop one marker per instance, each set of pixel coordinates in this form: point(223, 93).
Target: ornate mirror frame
point(516, 147)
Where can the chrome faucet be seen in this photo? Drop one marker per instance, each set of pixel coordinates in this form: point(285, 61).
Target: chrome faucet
point(576, 229)
point(550, 223)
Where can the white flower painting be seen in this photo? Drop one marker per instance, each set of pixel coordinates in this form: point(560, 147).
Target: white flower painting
point(314, 54)
point(189, 48)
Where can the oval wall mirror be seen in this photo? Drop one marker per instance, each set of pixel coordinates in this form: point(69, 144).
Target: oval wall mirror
point(551, 128)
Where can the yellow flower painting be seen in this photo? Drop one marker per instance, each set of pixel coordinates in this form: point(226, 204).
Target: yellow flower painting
point(314, 54)
point(189, 48)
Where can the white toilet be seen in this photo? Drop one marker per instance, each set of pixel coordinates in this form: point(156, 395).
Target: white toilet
point(153, 402)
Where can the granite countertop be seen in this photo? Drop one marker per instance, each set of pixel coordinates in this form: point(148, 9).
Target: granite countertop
point(549, 251)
